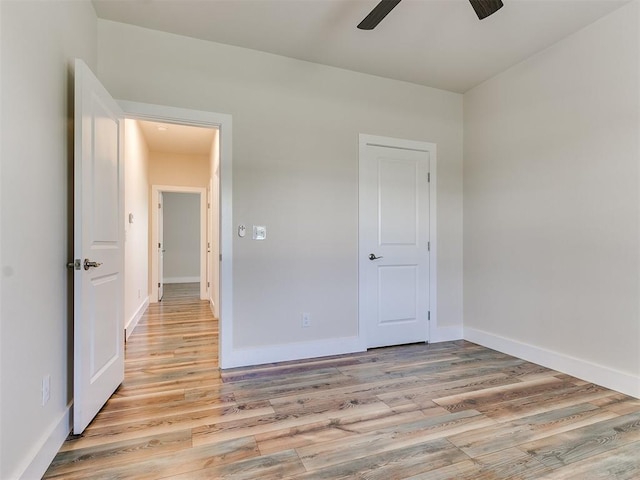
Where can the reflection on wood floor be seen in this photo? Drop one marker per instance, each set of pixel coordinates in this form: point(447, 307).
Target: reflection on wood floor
point(451, 410)
point(173, 291)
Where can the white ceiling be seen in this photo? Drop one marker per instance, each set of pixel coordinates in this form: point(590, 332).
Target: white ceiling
point(438, 43)
point(179, 139)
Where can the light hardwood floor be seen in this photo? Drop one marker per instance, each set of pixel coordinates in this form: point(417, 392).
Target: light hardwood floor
point(451, 410)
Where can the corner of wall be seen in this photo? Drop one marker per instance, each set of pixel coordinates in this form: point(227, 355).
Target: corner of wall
point(46, 448)
point(135, 318)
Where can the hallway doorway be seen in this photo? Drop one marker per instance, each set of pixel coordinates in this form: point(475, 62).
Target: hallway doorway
point(218, 199)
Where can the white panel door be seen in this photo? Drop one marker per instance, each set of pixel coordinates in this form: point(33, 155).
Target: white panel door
point(394, 244)
point(98, 248)
point(160, 246)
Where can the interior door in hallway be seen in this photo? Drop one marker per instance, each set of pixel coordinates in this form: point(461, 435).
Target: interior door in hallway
point(160, 246)
point(393, 243)
point(98, 248)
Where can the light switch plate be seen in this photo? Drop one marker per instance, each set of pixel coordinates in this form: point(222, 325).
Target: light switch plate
point(259, 232)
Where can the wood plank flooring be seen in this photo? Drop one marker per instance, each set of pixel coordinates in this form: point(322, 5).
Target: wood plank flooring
point(451, 410)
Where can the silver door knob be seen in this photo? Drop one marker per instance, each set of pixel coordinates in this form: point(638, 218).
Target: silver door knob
point(372, 256)
point(88, 264)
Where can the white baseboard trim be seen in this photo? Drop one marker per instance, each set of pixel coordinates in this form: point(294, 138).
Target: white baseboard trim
point(591, 372)
point(212, 306)
point(46, 449)
point(181, 279)
point(133, 321)
point(243, 357)
point(445, 334)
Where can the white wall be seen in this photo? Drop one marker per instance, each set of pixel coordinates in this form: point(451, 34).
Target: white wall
point(136, 202)
point(295, 170)
point(551, 199)
point(38, 43)
point(181, 222)
point(182, 170)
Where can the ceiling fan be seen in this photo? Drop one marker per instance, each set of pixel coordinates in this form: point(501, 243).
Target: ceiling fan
point(483, 9)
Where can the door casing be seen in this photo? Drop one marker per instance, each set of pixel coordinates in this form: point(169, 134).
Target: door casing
point(158, 245)
point(199, 118)
point(156, 191)
point(389, 142)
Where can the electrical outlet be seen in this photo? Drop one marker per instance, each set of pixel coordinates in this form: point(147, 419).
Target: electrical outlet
point(46, 389)
point(306, 320)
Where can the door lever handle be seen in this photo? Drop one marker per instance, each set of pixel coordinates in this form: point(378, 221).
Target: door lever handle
point(88, 264)
point(372, 256)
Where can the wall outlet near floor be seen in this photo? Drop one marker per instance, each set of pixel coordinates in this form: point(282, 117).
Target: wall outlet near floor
point(46, 389)
point(306, 320)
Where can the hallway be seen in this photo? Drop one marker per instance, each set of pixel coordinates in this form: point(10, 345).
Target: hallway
point(171, 376)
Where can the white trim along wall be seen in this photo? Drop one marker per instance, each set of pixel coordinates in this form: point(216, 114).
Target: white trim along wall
point(592, 372)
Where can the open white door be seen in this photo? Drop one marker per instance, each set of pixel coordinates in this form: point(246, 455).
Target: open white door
point(98, 248)
point(160, 246)
point(394, 242)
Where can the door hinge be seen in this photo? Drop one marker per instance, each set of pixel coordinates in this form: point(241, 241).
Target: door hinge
point(429, 315)
point(208, 284)
point(429, 246)
point(159, 245)
point(208, 204)
point(220, 257)
point(158, 284)
point(429, 177)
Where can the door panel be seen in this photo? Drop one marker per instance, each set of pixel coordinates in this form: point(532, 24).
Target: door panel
point(98, 243)
point(160, 246)
point(394, 227)
point(105, 289)
point(397, 295)
point(397, 193)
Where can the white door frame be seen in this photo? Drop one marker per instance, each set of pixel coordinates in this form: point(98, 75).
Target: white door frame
point(155, 200)
point(389, 142)
point(183, 116)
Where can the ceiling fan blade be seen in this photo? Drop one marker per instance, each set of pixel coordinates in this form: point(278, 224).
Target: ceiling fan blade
point(377, 14)
point(484, 8)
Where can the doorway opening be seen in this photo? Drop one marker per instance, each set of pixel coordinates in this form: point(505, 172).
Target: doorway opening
point(180, 244)
point(181, 259)
point(181, 169)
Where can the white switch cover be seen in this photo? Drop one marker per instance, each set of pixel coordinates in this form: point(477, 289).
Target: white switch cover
point(259, 232)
